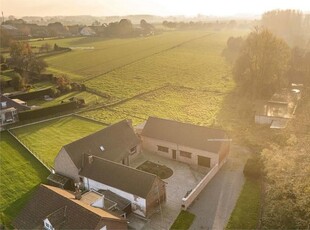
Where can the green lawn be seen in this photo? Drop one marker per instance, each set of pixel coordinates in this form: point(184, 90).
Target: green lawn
point(246, 212)
point(183, 221)
point(20, 173)
point(46, 139)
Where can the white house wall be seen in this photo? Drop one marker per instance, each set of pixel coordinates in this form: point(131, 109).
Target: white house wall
point(151, 144)
point(138, 204)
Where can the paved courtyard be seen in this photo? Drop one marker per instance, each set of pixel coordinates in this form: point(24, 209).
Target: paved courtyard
point(183, 179)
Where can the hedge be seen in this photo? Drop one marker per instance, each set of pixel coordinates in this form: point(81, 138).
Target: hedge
point(38, 113)
point(32, 95)
point(253, 168)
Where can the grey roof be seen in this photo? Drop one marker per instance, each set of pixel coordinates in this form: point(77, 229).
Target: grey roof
point(116, 140)
point(10, 103)
point(51, 202)
point(118, 176)
point(194, 136)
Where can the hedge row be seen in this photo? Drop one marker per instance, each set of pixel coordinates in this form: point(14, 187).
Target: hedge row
point(253, 168)
point(32, 95)
point(47, 111)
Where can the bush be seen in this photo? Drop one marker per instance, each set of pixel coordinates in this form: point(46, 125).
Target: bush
point(253, 168)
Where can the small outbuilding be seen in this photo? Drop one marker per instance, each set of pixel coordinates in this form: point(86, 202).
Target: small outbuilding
point(188, 143)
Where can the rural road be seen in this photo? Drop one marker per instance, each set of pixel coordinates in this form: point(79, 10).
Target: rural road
point(216, 202)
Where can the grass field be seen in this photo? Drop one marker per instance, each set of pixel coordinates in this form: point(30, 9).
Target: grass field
point(246, 212)
point(46, 139)
point(181, 104)
point(108, 55)
point(20, 173)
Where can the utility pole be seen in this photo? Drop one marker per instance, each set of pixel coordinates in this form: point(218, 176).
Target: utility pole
point(2, 17)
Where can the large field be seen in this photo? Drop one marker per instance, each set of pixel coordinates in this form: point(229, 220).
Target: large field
point(46, 139)
point(93, 57)
point(20, 173)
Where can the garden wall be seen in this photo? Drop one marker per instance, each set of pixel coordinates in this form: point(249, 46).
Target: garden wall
point(188, 200)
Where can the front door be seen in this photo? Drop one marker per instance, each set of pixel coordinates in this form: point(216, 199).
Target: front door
point(174, 154)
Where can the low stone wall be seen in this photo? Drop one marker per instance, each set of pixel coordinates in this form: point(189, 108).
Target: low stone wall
point(188, 200)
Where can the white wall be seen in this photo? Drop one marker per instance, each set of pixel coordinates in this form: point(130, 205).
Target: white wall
point(138, 204)
point(187, 201)
point(151, 144)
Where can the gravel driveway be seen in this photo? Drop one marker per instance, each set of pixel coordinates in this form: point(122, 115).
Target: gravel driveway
point(216, 202)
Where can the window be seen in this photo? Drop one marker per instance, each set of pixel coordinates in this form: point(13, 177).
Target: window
point(133, 150)
point(185, 154)
point(162, 149)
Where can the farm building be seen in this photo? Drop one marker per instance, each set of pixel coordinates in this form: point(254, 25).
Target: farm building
point(87, 31)
point(145, 191)
point(55, 208)
point(183, 142)
point(279, 109)
point(9, 109)
point(117, 143)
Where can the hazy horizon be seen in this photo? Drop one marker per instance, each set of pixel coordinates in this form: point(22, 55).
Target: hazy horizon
point(221, 8)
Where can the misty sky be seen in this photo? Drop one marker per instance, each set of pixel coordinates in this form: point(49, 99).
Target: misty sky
point(157, 7)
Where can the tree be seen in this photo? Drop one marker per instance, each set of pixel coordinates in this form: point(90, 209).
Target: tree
point(24, 59)
point(260, 69)
point(232, 49)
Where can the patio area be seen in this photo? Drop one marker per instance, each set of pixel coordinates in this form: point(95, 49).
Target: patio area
point(184, 178)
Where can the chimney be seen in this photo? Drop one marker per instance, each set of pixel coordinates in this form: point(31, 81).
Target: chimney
point(77, 194)
point(90, 159)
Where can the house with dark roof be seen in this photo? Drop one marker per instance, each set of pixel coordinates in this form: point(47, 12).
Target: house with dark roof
point(145, 191)
point(55, 208)
point(117, 143)
point(9, 109)
point(192, 144)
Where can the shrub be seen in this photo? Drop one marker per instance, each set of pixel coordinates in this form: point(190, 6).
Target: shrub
point(253, 168)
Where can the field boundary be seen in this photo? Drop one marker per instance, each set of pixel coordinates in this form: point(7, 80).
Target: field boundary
point(90, 119)
point(153, 54)
point(41, 121)
point(32, 153)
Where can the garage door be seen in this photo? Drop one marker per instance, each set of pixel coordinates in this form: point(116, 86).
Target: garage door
point(204, 161)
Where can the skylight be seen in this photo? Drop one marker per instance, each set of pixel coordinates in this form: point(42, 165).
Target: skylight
point(101, 148)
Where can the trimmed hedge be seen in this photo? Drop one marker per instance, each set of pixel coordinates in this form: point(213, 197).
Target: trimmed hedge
point(253, 168)
point(32, 95)
point(38, 113)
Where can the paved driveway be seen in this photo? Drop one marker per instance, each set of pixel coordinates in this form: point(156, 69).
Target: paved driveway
point(216, 202)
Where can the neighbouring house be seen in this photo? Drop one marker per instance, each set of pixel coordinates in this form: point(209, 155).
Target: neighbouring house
point(117, 143)
point(192, 144)
point(145, 191)
point(87, 31)
point(9, 109)
point(279, 109)
point(54, 208)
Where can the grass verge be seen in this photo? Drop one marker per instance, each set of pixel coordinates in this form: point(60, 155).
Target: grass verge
point(246, 212)
point(183, 221)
